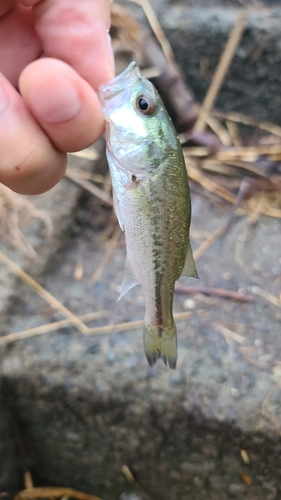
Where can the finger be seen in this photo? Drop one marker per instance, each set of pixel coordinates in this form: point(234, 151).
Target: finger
point(6, 5)
point(64, 104)
point(29, 164)
point(19, 44)
point(77, 33)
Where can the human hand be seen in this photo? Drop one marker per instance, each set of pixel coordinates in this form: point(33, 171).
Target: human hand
point(48, 105)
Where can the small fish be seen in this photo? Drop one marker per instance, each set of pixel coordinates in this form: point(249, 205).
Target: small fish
point(151, 201)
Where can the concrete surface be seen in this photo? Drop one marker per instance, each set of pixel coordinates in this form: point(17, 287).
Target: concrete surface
point(85, 406)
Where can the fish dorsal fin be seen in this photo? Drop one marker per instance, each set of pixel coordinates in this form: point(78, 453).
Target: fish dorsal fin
point(117, 209)
point(129, 279)
point(189, 268)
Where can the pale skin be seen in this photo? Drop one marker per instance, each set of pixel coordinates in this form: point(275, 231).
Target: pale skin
point(54, 54)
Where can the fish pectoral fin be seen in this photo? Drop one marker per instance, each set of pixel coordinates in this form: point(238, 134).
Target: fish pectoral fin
point(129, 279)
point(189, 268)
point(117, 209)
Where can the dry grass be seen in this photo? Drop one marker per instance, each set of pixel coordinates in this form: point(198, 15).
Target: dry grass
point(220, 73)
point(44, 294)
point(53, 492)
point(212, 170)
point(16, 212)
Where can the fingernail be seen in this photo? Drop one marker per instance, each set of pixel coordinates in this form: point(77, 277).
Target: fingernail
point(4, 100)
point(110, 54)
point(55, 103)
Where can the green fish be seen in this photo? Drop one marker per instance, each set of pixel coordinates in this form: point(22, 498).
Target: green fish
point(151, 201)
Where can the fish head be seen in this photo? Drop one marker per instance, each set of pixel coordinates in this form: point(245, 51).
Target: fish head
point(138, 128)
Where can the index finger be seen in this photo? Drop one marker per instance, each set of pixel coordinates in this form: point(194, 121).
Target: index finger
point(77, 33)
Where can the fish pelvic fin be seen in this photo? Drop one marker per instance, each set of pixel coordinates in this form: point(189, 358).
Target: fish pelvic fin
point(129, 279)
point(189, 268)
point(160, 342)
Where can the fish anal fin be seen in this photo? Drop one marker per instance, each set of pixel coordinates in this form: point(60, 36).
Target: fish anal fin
point(189, 268)
point(129, 279)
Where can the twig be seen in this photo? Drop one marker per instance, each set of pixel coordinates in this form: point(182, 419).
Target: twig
point(234, 133)
point(170, 82)
point(84, 174)
point(219, 130)
point(89, 186)
point(248, 120)
point(53, 492)
point(130, 325)
point(241, 164)
point(240, 157)
point(217, 292)
point(229, 334)
point(272, 212)
point(109, 247)
point(207, 243)
point(217, 167)
point(48, 297)
point(196, 175)
point(27, 479)
point(49, 327)
point(197, 151)
point(78, 271)
point(218, 233)
point(128, 474)
point(249, 153)
point(15, 212)
point(243, 189)
point(266, 295)
point(221, 70)
point(132, 38)
point(157, 29)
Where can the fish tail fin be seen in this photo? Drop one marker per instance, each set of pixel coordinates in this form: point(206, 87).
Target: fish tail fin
point(160, 342)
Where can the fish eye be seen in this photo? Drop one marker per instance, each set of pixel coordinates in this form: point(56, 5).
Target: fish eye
point(145, 105)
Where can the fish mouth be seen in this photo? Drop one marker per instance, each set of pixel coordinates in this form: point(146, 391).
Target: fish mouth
point(115, 86)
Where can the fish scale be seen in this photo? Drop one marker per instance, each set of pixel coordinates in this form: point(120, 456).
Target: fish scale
point(151, 200)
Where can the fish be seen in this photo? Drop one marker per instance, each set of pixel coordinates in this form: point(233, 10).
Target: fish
point(151, 199)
